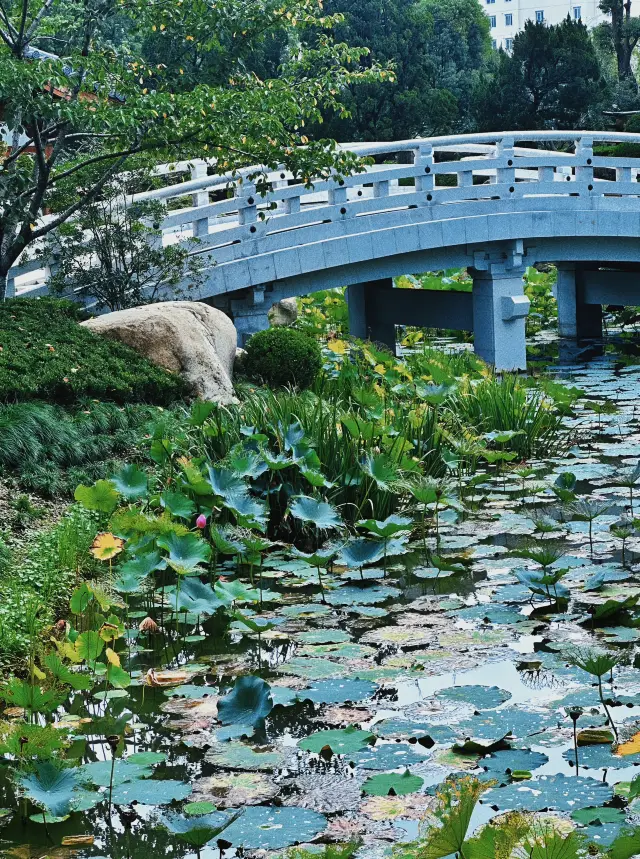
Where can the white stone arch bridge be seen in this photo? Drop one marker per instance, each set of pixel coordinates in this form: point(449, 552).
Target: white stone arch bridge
point(494, 203)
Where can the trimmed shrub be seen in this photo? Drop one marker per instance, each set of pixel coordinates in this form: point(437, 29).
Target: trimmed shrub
point(46, 355)
point(283, 356)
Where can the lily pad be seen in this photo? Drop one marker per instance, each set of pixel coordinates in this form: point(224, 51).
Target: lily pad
point(270, 828)
point(392, 784)
point(560, 792)
point(338, 691)
point(389, 756)
point(480, 697)
point(151, 791)
point(235, 755)
point(342, 741)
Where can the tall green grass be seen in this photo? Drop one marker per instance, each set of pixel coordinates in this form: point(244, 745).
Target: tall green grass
point(49, 450)
point(506, 404)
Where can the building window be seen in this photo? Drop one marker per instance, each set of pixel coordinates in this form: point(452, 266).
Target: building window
point(490, 1)
point(508, 44)
point(577, 13)
point(492, 21)
point(540, 17)
point(508, 20)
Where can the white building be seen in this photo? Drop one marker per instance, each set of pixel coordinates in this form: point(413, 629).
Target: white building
point(507, 17)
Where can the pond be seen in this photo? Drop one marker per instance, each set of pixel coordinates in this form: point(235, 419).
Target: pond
point(467, 659)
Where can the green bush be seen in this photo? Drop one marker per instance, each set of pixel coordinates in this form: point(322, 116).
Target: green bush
point(283, 356)
point(47, 355)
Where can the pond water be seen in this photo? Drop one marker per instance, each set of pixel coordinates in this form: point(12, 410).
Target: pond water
point(422, 659)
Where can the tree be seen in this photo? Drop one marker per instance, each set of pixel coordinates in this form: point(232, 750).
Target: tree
point(549, 81)
point(73, 120)
point(624, 34)
point(113, 253)
point(436, 47)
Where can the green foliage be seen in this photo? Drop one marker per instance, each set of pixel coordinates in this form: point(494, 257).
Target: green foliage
point(39, 578)
point(507, 405)
point(328, 851)
point(552, 76)
point(47, 355)
point(50, 450)
point(283, 356)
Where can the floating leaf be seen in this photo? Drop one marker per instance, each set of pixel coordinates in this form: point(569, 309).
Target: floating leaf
point(339, 742)
point(270, 828)
point(480, 697)
point(392, 784)
point(564, 793)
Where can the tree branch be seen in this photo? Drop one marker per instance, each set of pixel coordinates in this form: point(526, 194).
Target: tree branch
point(44, 10)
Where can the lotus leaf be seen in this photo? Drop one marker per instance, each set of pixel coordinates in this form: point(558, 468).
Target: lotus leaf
point(150, 791)
point(238, 756)
point(178, 504)
point(197, 831)
point(344, 741)
point(480, 697)
point(131, 482)
point(187, 551)
point(393, 524)
point(249, 703)
point(512, 760)
point(102, 496)
point(274, 828)
point(352, 595)
point(321, 514)
point(338, 691)
point(196, 597)
point(392, 784)
point(560, 792)
point(389, 756)
point(50, 787)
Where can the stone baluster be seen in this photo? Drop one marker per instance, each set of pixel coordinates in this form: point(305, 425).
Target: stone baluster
point(506, 175)
point(200, 226)
point(425, 177)
point(623, 174)
point(247, 206)
point(381, 189)
point(546, 174)
point(584, 153)
point(465, 179)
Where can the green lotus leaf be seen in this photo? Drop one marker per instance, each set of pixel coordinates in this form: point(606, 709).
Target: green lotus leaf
point(131, 482)
point(102, 496)
point(267, 827)
point(338, 691)
point(150, 791)
point(393, 524)
point(196, 597)
point(390, 756)
point(392, 784)
point(249, 703)
point(323, 515)
point(480, 697)
point(343, 741)
point(197, 831)
point(560, 792)
point(98, 773)
point(235, 755)
point(361, 551)
point(178, 504)
point(50, 787)
point(186, 550)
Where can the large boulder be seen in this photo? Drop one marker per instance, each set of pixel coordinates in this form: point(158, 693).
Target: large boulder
point(284, 312)
point(186, 337)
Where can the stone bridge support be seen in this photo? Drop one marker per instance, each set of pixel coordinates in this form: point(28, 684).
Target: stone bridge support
point(579, 318)
point(500, 308)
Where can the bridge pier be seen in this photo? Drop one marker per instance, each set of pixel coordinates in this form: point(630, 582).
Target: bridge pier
point(367, 317)
point(500, 308)
point(578, 318)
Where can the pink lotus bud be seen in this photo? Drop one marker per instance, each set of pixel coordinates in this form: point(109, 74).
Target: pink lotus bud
point(201, 521)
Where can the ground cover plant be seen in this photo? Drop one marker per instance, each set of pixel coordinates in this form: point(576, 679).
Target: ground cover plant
point(47, 356)
point(322, 616)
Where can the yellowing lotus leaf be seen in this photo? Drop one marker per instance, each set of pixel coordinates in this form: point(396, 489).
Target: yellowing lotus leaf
point(106, 546)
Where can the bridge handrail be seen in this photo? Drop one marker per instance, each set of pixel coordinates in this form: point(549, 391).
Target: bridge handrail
point(506, 169)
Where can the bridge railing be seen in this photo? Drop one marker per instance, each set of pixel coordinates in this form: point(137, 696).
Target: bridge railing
point(230, 219)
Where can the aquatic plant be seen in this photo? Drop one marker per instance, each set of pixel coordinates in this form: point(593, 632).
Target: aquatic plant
point(597, 663)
